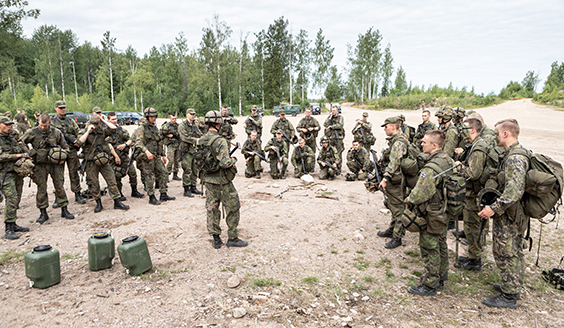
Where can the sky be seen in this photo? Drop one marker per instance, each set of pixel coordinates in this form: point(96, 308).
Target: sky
point(480, 44)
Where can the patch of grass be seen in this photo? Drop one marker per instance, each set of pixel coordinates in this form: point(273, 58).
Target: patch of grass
point(320, 255)
point(310, 280)
point(276, 215)
point(379, 292)
point(327, 193)
point(70, 257)
point(403, 266)
point(361, 264)
point(358, 287)
point(390, 274)
point(229, 268)
point(346, 251)
point(368, 279)
point(336, 290)
point(412, 253)
point(360, 252)
point(297, 291)
point(384, 261)
point(11, 255)
point(418, 273)
point(412, 281)
point(264, 282)
point(334, 252)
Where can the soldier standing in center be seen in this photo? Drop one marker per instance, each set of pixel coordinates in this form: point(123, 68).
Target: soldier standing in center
point(150, 143)
point(335, 132)
point(254, 123)
point(358, 161)
point(189, 134)
point(276, 146)
point(286, 128)
point(393, 181)
point(226, 129)
point(172, 142)
point(309, 127)
point(362, 132)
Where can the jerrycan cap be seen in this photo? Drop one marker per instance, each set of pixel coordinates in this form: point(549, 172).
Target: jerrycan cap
point(42, 248)
point(130, 239)
point(101, 235)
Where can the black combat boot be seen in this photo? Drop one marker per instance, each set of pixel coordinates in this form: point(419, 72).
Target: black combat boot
point(283, 175)
point(165, 197)
point(331, 178)
point(395, 242)
point(153, 200)
point(98, 207)
point(258, 175)
point(43, 216)
point(422, 290)
point(17, 228)
point(461, 234)
point(195, 191)
point(497, 288)
point(388, 233)
point(502, 301)
point(55, 203)
point(462, 261)
point(216, 242)
point(236, 242)
point(78, 198)
point(473, 265)
point(118, 205)
point(441, 285)
point(188, 191)
point(10, 233)
point(66, 214)
point(135, 193)
point(121, 196)
point(175, 177)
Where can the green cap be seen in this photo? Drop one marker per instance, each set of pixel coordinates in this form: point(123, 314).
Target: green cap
point(60, 104)
point(401, 117)
point(96, 110)
point(190, 111)
point(392, 120)
point(365, 114)
point(6, 120)
point(282, 111)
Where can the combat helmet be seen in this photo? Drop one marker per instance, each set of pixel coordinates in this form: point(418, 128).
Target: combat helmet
point(101, 159)
point(487, 196)
point(412, 222)
point(150, 112)
point(324, 139)
point(57, 155)
point(213, 116)
point(24, 166)
point(119, 171)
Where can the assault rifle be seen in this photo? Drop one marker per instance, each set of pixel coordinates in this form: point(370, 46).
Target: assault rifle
point(256, 153)
point(301, 157)
point(445, 171)
point(462, 156)
point(292, 141)
point(331, 166)
point(237, 146)
point(363, 135)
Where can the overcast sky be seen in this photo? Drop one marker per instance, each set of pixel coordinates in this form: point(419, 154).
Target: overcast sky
point(477, 43)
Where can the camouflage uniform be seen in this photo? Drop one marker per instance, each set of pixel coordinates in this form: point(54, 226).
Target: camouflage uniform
point(254, 123)
point(286, 126)
point(358, 136)
point(253, 164)
point(421, 130)
point(408, 131)
point(41, 142)
point(427, 196)
point(149, 138)
point(226, 129)
point(120, 137)
point(19, 179)
point(309, 160)
point(311, 137)
point(189, 134)
point(359, 160)
point(138, 162)
point(335, 131)
point(451, 139)
point(488, 135)
point(9, 147)
point(21, 123)
point(220, 188)
point(510, 222)
point(172, 146)
point(395, 181)
point(328, 154)
point(273, 157)
point(69, 127)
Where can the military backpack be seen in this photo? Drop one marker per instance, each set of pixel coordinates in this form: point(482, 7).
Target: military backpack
point(453, 187)
point(205, 157)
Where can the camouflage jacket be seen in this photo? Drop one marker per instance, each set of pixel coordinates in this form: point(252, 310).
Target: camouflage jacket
point(119, 137)
point(281, 145)
point(334, 127)
point(227, 167)
point(328, 154)
point(473, 166)
point(300, 153)
point(249, 146)
point(170, 128)
point(67, 126)
point(361, 157)
point(357, 131)
point(149, 138)
point(9, 147)
point(284, 125)
point(226, 129)
point(398, 150)
point(421, 130)
point(96, 141)
point(488, 135)
point(306, 123)
point(451, 139)
point(44, 139)
point(189, 135)
point(408, 131)
point(253, 123)
point(511, 180)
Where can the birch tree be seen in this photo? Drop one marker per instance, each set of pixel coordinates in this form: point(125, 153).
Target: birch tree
point(108, 45)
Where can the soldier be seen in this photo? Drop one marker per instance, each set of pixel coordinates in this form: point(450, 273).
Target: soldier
point(423, 128)
point(22, 122)
point(47, 141)
point(70, 133)
point(362, 132)
point(327, 154)
point(150, 143)
point(393, 180)
point(277, 153)
point(172, 142)
point(121, 143)
point(335, 132)
point(358, 161)
point(189, 135)
point(226, 129)
point(427, 196)
point(137, 152)
point(303, 155)
point(487, 133)
point(96, 150)
point(285, 126)
point(509, 219)
point(254, 123)
point(219, 185)
point(19, 178)
point(309, 127)
point(11, 152)
point(251, 148)
point(408, 130)
point(451, 133)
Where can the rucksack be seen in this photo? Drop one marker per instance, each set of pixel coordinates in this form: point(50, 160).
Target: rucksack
point(205, 157)
point(453, 187)
point(412, 162)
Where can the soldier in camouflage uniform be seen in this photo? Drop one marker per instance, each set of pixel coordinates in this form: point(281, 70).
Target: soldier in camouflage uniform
point(330, 155)
point(70, 129)
point(121, 143)
point(274, 144)
point(358, 161)
point(14, 132)
point(303, 154)
point(97, 150)
point(407, 130)
point(11, 151)
point(138, 162)
point(219, 185)
point(451, 132)
point(251, 147)
point(21, 122)
point(254, 123)
point(43, 138)
point(363, 131)
point(309, 127)
point(487, 133)
point(189, 134)
point(226, 129)
point(172, 142)
point(285, 126)
point(423, 128)
point(427, 196)
point(509, 219)
point(335, 132)
point(393, 181)
point(150, 143)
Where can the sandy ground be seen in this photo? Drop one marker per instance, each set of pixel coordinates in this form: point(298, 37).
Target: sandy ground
point(311, 262)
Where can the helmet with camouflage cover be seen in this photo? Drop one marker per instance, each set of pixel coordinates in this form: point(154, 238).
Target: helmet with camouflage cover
point(412, 222)
point(439, 113)
point(324, 139)
point(448, 113)
point(101, 159)
point(213, 116)
point(119, 171)
point(150, 112)
point(487, 196)
point(24, 166)
point(57, 155)
point(350, 176)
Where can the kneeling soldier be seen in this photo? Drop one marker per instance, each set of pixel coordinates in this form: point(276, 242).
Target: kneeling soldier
point(303, 156)
point(359, 162)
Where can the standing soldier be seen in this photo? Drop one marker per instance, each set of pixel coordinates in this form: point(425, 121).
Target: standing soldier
point(287, 129)
point(303, 155)
point(358, 161)
point(21, 121)
point(335, 132)
point(49, 153)
point(408, 130)
point(327, 154)
point(96, 150)
point(427, 196)
point(150, 143)
point(362, 132)
point(509, 219)
point(393, 180)
point(121, 143)
point(451, 133)
point(11, 152)
point(189, 135)
point(277, 153)
point(226, 129)
point(487, 133)
point(70, 133)
point(309, 127)
point(251, 148)
point(219, 185)
point(254, 123)
point(135, 155)
point(423, 128)
point(172, 142)
point(19, 177)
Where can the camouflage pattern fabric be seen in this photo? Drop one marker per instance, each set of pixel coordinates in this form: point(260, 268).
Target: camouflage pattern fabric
point(488, 135)
point(434, 252)
point(8, 178)
point(227, 195)
point(149, 138)
point(226, 129)
point(69, 127)
point(357, 132)
point(408, 131)
point(154, 170)
point(284, 125)
point(398, 150)
point(189, 134)
point(273, 158)
point(227, 167)
point(420, 132)
point(172, 146)
point(330, 155)
point(254, 163)
point(336, 124)
point(254, 123)
point(93, 173)
point(309, 160)
point(451, 140)
point(359, 160)
point(306, 123)
point(121, 137)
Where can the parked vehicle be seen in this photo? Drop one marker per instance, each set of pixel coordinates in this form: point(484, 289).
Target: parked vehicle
point(135, 117)
point(79, 118)
point(260, 110)
point(290, 109)
point(123, 118)
point(315, 109)
point(338, 106)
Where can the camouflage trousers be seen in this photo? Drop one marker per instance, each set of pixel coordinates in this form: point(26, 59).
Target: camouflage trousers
point(73, 165)
point(10, 193)
point(325, 172)
point(253, 165)
point(396, 195)
point(152, 170)
point(189, 170)
point(472, 225)
point(311, 144)
point(93, 174)
point(228, 196)
point(339, 147)
point(139, 166)
point(132, 173)
point(508, 253)
point(355, 168)
point(274, 171)
point(434, 252)
point(57, 172)
point(299, 170)
point(19, 187)
point(172, 165)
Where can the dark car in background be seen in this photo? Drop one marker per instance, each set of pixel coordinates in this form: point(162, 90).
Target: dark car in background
point(338, 106)
point(135, 117)
point(79, 118)
point(289, 109)
point(316, 109)
point(123, 118)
